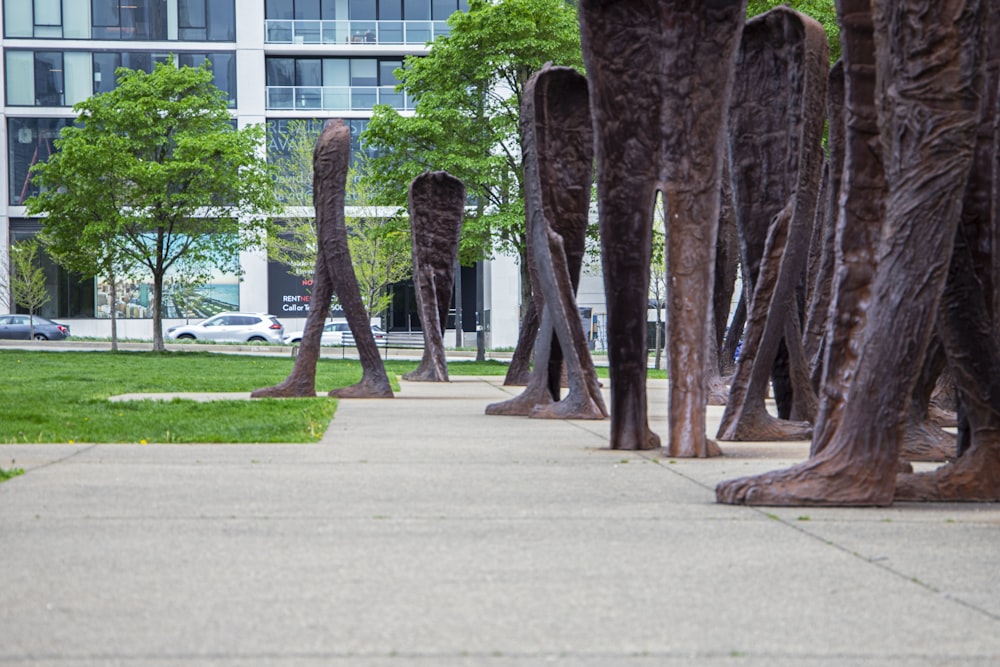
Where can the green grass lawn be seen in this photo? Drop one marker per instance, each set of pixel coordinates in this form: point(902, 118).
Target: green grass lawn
point(63, 396)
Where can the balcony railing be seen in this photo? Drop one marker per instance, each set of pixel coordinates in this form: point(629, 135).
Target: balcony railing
point(335, 98)
point(281, 31)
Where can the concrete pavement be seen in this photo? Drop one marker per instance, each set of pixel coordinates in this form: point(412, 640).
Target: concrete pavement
point(421, 532)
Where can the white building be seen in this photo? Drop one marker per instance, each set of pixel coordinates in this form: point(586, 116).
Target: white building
point(277, 60)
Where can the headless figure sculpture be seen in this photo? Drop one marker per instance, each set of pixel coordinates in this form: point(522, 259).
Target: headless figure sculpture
point(437, 202)
point(776, 127)
point(660, 74)
point(557, 141)
point(334, 273)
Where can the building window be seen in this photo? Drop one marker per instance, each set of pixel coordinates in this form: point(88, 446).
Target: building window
point(358, 21)
point(63, 78)
point(29, 141)
point(71, 294)
point(332, 83)
point(206, 20)
point(192, 20)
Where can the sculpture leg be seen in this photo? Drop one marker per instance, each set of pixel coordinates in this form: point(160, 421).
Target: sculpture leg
point(623, 50)
point(437, 202)
point(330, 185)
point(558, 161)
point(777, 117)
point(536, 393)
point(302, 381)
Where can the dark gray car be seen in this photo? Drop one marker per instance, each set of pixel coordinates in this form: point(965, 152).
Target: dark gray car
point(18, 327)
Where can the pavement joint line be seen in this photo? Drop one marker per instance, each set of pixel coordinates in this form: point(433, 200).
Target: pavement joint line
point(763, 511)
point(84, 447)
point(480, 654)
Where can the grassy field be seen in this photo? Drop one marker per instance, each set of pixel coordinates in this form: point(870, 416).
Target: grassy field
point(63, 396)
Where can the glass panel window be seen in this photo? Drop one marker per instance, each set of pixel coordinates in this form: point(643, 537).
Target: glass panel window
point(221, 21)
point(78, 76)
point(364, 72)
point(105, 17)
point(105, 65)
point(17, 20)
point(30, 140)
point(442, 9)
point(331, 10)
point(224, 74)
point(144, 19)
point(279, 72)
point(20, 78)
point(362, 10)
point(386, 72)
point(191, 20)
point(49, 78)
point(417, 10)
point(137, 60)
point(76, 19)
point(308, 72)
point(48, 12)
point(307, 9)
point(278, 9)
point(390, 10)
point(336, 72)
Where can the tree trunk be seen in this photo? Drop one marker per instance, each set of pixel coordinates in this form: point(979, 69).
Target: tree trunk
point(114, 314)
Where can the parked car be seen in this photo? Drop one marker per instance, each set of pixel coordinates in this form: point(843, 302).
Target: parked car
point(232, 328)
point(337, 333)
point(19, 327)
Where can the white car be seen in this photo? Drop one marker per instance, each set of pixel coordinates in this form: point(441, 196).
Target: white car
point(337, 333)
point(232, 328)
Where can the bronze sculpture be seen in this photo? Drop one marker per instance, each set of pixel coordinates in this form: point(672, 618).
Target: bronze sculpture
point(677, 58)
point(437, 203)
point(557, 142)
point(334, 273)
point(893, 268)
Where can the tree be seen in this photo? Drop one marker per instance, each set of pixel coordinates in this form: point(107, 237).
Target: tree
point(27, 281)
point(658, 278)
point(154, 176)
point(824, 11)
point(379, 244)
point(468, 95)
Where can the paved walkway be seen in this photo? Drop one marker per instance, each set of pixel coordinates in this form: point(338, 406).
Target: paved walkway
point(421, 532)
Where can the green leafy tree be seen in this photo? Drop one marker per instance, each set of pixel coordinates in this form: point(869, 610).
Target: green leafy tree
point(824, 11)
point(27, 281)
point(183, 190)
point(468, 94)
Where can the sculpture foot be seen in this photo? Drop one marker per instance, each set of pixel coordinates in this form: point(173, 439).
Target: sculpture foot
point(718, 392)
point(927, 441)
point(569, 408)
point(285, 390)
point(426, 375)
point(522, 404)
point(817, 482)
point(703, 448)
point(634, 439)
point(766, 428)
point(363, 389)
point(973, 477)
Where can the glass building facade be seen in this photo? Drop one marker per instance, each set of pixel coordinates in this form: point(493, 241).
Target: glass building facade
point(277, 61)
